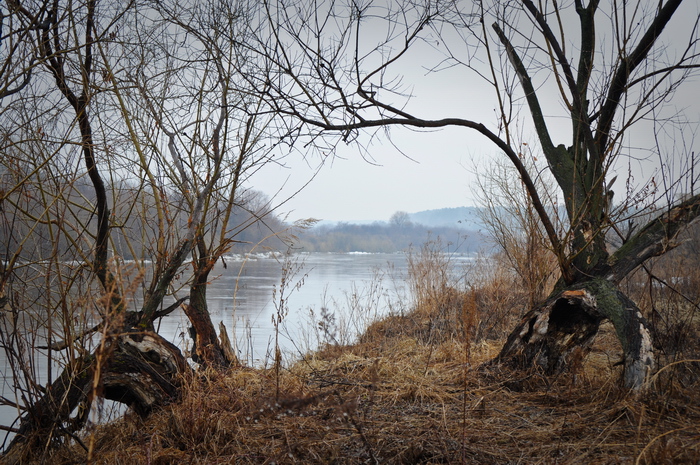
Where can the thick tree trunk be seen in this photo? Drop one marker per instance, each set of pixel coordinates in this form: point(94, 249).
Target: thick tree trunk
point(564, 327)
point(143, 372)
point(207, 348)
point(138, 368)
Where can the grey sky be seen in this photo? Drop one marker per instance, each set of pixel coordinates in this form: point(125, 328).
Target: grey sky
point(426, 170)
point(437, 168)
point(351, 188)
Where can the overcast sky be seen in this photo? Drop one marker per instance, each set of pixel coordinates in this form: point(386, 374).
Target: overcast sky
point(350, 188)
point(437, 170)
point(426, 170)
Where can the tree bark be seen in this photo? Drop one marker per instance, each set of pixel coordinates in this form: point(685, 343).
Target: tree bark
point(565, 326)
point(137, 368)
point(207, 347)
point(143, 372)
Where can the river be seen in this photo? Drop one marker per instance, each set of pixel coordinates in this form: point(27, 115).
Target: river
point(327, 298)
point(343, 291)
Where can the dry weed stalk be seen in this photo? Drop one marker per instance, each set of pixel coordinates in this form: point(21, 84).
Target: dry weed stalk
point(410, 391)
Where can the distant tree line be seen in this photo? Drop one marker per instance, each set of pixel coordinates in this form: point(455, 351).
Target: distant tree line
point(251, 223)
point(382, 237)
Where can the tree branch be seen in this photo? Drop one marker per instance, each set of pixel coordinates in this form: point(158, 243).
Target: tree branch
point(618, 84)
point(531, 96)
point(654, 239)
point(577, 88)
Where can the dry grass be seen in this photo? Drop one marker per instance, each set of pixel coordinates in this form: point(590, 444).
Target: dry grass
point(412, 390)
point(397, 398)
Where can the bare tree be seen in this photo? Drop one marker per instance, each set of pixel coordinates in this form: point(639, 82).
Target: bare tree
point(185, 69)
point(208, 135)
point(66, 41)
point(400, 219)
point(331, 69)
point(514, 227)
point(123, 137)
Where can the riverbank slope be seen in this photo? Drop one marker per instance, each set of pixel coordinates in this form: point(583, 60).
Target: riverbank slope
point(411, 390)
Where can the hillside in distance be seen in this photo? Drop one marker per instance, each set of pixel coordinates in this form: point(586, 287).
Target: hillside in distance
point(459, 217)
point(457, 230)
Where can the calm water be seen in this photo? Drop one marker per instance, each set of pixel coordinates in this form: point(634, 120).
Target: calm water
point(343, 292)
point(246, 295)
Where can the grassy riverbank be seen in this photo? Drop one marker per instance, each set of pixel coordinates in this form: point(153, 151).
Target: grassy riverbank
point(413, 389)
point(409, 394)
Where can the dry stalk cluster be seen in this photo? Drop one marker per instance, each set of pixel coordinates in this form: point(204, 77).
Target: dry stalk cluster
point(412, 390)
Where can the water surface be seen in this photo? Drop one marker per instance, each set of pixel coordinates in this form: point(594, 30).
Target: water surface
point(343, 292)
point(247, 294)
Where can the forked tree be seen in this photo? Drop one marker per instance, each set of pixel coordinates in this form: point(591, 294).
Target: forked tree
point(51, 209)
point(125, 150)
point(610, 69)
point(201, 129)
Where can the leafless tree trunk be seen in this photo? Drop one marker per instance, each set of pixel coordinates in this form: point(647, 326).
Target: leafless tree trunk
point(125, 139)
point(326, 69)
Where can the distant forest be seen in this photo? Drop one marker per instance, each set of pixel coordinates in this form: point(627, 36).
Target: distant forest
point(398, 234)
point(253, 225)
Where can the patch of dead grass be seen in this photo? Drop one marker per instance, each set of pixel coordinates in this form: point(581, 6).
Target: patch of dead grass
point(411, 402)
point(412, 390)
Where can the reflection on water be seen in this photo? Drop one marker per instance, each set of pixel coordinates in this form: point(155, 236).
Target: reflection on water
point(245, 295)
point(344, 291)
